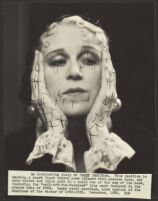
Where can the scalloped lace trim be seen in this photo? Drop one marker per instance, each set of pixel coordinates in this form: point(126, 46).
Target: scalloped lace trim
point(106, 154)
point(57, 145)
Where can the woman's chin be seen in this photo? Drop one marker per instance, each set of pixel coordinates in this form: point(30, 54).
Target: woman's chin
point(75, 109)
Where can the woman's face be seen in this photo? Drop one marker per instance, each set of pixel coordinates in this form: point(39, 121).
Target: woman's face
point(72, 70)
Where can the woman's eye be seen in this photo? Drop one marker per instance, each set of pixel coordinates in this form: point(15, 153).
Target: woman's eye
point(58, 62)
point(89, 59)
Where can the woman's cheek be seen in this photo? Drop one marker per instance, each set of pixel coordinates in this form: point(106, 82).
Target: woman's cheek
point(94, 77)
point(48, 77)
point(52, 80)
point(93, 80)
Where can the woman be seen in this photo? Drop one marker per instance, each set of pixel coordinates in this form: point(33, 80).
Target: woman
point(73, 79)
point(73, 86)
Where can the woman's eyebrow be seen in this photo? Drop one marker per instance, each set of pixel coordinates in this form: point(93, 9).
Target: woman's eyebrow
point(57, 51)
point(90, 49)
point(87, 47)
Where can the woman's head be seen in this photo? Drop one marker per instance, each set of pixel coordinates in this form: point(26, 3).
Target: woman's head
point(72, 56)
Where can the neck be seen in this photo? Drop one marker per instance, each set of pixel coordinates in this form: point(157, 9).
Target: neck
point(77, 135)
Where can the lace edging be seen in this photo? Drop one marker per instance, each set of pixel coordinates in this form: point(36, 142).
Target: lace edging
point(107, 154)
point(57, 145)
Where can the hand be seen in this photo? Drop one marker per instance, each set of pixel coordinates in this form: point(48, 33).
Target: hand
point(49, 112)
point(107, 149)
point(53, 141)
point(105, 103)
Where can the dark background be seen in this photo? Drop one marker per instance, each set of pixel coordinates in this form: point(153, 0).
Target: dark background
point(130, 27)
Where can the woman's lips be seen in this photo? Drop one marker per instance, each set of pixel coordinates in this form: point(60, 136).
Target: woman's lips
point(74, 90)
point(75, 94)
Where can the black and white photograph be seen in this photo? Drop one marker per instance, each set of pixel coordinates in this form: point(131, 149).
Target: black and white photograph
point(79, 95)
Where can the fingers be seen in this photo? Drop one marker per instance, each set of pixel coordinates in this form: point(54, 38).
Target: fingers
point(108, 84)
point(34, 79)
point(34, 86)
point(41, 79)
point(43, 92)
point(44, 100)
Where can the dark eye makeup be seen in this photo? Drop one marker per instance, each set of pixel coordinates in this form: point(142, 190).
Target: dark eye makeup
point(86, 57)
point(89, 57)
point(57, 61)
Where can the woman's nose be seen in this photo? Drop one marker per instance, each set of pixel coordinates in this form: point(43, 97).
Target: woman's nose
point(74, 71)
